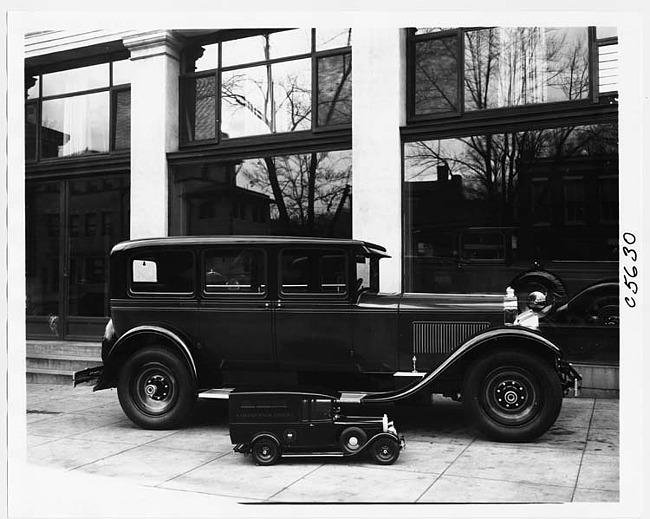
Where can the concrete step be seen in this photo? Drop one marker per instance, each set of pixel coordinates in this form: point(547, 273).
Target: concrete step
point(54, 362)
point(61, 362)
point(80, 349)
point(49, 376)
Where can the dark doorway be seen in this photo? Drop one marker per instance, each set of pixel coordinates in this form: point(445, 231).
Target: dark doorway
point(71, 226)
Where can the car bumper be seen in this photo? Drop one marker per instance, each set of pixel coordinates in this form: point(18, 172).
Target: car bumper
point(94, 374)
point(569, 377)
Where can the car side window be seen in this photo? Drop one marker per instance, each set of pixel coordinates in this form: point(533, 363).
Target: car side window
point(162, 272)
point(234, 271)
point(313, 271)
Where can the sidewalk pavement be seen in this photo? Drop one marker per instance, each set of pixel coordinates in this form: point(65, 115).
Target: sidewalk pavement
point(445, 461)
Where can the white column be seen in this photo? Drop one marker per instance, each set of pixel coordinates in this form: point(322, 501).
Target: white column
point(154, 127)
point(378, 111)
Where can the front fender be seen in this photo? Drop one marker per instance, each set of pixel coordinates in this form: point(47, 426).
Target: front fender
point(484, 340)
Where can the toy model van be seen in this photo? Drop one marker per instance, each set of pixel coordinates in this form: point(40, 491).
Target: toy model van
point(271, 425)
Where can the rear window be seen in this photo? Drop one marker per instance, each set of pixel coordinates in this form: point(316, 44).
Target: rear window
point(169, 272)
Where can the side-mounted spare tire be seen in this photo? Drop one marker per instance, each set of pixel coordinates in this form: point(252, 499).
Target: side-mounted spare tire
point(512, 396)
point(156, 388)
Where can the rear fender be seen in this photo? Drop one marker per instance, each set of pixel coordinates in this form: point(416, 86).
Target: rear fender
point(133, 339)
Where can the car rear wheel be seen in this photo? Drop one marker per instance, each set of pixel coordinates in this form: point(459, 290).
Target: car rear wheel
point(265, 451)
point(512, 396)
point(156, 389)
point(385, 450)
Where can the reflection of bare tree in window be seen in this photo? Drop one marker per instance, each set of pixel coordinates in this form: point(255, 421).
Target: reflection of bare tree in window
point(301, 185)
point(525, 65)
point(491, 165)
point(311, 189)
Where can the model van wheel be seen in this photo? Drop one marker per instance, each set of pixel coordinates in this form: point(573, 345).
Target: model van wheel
point(265, 451)
point(385, 450)
point(156, 389)
point(352, 439)
point(512, 396)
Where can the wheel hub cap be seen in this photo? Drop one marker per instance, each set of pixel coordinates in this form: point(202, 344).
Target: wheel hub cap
point(156, 387)
point(511, 394)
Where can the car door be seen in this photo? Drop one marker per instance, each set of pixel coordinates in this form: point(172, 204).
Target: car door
point(313, 310)
point(321, 432)
point(236, 320)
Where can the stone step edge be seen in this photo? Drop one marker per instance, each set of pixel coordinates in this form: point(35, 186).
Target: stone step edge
point(46, 371)
point(63, 356)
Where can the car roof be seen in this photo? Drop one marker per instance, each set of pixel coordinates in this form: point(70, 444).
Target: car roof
point(245, 240)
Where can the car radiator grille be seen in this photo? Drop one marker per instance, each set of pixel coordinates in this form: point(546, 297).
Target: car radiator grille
point(442, 337)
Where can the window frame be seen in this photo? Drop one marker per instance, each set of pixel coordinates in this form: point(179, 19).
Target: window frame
point(593, 97)
point(234, 295)
point(156, 253)
point(282, 295)
point(186, 78)
point(112, 89)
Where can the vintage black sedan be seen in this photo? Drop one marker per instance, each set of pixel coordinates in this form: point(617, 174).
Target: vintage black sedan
point(203, 316)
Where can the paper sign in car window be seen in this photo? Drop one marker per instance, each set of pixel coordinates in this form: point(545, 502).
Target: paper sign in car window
point(145, 271)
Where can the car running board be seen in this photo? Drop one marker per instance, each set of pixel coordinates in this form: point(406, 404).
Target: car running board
point(312, 454)
point(221, 393)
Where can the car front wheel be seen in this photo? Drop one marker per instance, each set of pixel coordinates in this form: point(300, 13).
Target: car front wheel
point(512, 396)
point(385, 450)
point(156, 389)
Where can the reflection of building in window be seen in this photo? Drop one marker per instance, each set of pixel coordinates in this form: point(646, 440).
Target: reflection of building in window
point(540, 201)
point(78, 111)
point(302, 194)
point(607, 43)
point(608, 199)
point(574, 201)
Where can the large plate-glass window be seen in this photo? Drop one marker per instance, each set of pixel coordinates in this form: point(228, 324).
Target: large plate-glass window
point(436, 76)
point(334, 90)
point(78, 112)
point(465, 70)
point(299, 194)
point(509, 202)
point(266, 84)
point(76, 125)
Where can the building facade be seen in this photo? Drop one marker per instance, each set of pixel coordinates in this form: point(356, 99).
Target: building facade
point(473, 154)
